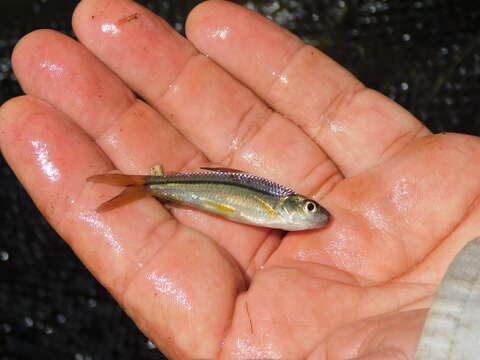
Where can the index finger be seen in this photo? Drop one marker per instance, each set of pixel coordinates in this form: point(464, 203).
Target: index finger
point(355, 126)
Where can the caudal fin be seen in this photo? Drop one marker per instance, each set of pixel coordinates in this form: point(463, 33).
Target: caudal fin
point(130, 194)
point(134, 191)
point(118, 179)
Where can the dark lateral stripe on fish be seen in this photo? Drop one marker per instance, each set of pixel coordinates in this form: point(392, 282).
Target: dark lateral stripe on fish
point(170, 181)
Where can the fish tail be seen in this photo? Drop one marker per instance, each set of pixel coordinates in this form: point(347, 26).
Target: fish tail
point(118, 179)
point(135, 189)
point(130, 194)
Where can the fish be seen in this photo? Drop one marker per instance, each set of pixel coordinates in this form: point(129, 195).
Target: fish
point(229, 193)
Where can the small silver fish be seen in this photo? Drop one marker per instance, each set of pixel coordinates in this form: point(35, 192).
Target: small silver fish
point(229, 193)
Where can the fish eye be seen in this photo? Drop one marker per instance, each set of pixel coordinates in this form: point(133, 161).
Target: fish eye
point(310, 206)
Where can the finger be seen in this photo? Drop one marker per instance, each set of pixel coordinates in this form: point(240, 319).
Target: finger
point(220, 116)
point(152, 268)
point(69, 77)
point(55, 68)
point(357, 128)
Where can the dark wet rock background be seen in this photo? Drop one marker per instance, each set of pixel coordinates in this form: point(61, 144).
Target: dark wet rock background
point(423, 54)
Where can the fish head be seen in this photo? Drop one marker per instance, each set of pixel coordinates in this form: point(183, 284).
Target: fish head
point(302, 213)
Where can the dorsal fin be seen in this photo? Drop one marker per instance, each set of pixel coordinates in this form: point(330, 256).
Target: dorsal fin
point(222, 169)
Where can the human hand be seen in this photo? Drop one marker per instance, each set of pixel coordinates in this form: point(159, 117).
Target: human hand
point(403, 201)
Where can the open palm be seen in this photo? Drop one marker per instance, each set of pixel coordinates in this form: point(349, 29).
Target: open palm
point(243, 93)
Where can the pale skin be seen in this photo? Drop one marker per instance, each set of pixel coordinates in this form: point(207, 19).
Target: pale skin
point(403, 201)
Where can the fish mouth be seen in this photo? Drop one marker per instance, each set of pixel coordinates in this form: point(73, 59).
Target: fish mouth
point(326, 215)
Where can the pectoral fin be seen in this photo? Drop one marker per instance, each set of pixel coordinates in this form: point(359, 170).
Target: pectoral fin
point(268, 208)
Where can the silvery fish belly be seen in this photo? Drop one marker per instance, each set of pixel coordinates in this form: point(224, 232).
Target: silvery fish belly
point(229, 193)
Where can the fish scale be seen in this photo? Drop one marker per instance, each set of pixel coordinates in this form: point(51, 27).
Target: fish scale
point(238, 178)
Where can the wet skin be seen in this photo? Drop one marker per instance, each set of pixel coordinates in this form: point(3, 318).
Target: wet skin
point(403, 201)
